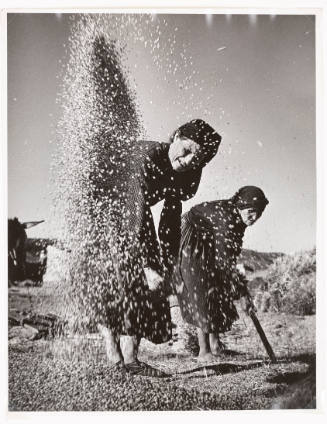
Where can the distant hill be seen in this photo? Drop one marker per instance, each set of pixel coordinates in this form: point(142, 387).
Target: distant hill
point(254, 261)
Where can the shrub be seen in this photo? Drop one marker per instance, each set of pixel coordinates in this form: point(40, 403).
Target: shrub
point(291, 284)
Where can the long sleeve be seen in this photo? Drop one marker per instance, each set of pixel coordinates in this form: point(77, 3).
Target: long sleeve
point(226, 247)
point(140, 222)
point(170, 230)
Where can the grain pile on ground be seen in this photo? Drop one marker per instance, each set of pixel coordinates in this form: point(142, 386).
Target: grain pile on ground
point(43, 379)
point(97, 388)
point(242, 378)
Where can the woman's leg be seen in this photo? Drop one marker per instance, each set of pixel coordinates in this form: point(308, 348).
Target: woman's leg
point(216, 345)
point(203, 339)
point(130, 348)
point(111, 339)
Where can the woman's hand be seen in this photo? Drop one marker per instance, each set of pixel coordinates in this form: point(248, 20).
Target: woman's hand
point(153, 279)
point(247, 304)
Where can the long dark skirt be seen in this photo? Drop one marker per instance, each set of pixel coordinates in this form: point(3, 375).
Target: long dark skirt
point(206, 299)
point(143, 313)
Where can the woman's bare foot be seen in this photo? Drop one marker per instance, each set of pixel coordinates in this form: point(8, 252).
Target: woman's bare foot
point(206, 358)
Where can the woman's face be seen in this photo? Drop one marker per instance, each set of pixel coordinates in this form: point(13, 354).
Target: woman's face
point(249, 215)
point(183, 153)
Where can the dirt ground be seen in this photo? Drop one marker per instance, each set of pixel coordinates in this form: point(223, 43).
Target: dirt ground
point(72, 373)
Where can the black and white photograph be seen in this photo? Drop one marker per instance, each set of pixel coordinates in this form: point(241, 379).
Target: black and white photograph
point(161, 210)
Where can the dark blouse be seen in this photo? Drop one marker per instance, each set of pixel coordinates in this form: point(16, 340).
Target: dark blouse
point(221, 220)
point(152, 179)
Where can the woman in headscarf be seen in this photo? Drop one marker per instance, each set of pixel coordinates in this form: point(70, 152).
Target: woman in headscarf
point(153, 172)
point(205, 277)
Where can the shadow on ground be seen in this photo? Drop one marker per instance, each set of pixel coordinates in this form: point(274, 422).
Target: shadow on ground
point(224, 368)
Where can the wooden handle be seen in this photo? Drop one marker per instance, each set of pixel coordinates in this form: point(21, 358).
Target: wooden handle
point(262, 336)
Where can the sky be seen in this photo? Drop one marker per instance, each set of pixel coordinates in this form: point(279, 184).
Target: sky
point(252, 77)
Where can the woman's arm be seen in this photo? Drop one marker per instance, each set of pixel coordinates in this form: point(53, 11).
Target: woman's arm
point(225, 249)
point(170, 230)
point(140, 223)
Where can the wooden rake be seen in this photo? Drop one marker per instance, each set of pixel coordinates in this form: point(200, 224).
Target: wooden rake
point(262, 335)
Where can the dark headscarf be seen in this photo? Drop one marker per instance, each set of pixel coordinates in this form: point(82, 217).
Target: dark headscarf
point(204, 135)
point(250, 197)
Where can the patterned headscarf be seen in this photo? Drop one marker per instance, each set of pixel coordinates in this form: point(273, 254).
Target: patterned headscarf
point(204, 135)
point(250, 197)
